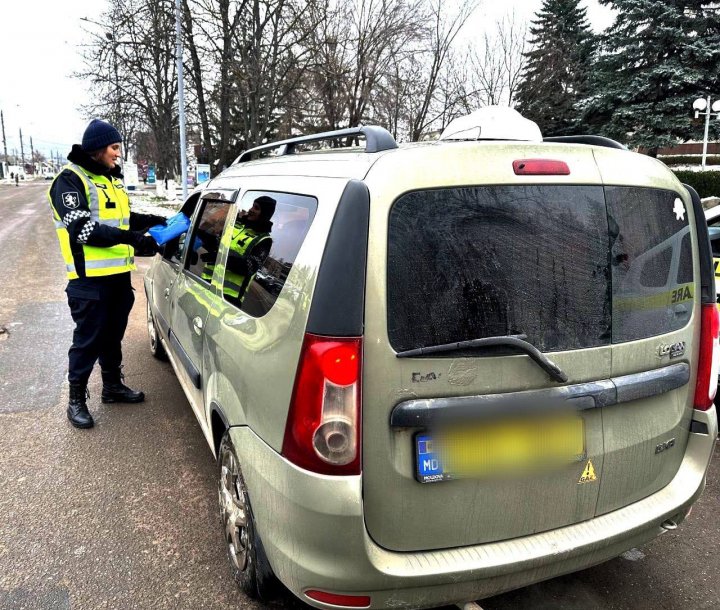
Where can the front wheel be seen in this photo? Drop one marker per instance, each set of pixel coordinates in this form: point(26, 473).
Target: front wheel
point(250, 566)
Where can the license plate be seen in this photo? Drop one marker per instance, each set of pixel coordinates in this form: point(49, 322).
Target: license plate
point(499, 447)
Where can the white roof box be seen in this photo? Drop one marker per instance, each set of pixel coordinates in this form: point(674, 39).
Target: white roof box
point(493, 123)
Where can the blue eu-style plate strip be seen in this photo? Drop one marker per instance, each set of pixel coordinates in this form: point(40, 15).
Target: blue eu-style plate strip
point(429, 466)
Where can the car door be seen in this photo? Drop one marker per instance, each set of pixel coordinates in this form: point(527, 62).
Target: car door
point(194, 296)
point(165, 272)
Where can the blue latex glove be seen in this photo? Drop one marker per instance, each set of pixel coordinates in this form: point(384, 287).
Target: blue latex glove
point(176, 226)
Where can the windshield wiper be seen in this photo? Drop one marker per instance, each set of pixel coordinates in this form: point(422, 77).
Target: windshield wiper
point(513, 341)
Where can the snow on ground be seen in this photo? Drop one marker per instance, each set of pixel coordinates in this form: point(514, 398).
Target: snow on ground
point(146, 203)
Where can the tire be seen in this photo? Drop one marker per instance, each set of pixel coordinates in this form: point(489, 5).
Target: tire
point(248, 562)
point(156, 348)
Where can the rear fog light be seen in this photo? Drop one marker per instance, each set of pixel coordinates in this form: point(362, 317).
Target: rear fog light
point(341, 601)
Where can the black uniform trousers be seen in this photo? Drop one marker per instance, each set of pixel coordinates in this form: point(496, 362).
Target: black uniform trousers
point(100, 307)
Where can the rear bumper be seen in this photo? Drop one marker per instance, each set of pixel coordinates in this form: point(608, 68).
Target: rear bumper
point(314, 534)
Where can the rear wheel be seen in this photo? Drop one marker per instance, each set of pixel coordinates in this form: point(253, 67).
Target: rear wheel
point(156, 348)
point(250, 566)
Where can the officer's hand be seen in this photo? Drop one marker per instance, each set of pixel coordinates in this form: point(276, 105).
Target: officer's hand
point(155, 220)
point(144, 244)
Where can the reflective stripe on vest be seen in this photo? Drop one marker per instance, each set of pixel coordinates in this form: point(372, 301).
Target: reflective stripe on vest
point(106, 262)
point(110, 211)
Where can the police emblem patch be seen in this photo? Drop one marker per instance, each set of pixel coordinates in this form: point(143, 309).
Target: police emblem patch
point(71, 200)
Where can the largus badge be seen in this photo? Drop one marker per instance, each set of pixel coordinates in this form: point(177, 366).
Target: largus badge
point(71, 200)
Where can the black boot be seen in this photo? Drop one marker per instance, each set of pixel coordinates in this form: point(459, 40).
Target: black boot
point(77, 410)
point(114, 390)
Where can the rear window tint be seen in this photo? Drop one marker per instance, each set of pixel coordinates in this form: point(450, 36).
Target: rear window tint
point(570, 267)
point(477, 262)
point(652, 266)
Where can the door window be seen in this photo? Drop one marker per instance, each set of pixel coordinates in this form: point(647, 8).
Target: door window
point(174, 249)
point(262, 244)
point(205, 240)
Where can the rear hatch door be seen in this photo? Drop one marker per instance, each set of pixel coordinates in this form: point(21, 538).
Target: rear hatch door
point(655, 296)
point(524, 257)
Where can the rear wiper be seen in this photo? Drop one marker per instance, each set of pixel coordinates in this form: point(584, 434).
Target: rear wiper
point(513, 341)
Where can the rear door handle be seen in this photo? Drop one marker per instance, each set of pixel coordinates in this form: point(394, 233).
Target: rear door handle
point(198, 325)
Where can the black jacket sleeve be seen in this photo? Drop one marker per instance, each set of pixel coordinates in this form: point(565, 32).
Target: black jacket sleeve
point(142, 222)
point(251, 261)
point(68, 199)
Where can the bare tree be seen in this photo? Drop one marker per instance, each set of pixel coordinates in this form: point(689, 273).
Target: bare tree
point(196, 71)
point(138, 87)
point(443, 31)
point(498, 63)
point(273, 60)
point(262, 69)
point(356, 46)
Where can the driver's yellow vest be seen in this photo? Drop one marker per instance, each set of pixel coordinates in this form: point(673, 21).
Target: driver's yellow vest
point(240, 241)
point(109, 205)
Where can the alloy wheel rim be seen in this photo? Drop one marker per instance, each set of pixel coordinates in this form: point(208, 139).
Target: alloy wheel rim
point(233, 510)
point(151, 329)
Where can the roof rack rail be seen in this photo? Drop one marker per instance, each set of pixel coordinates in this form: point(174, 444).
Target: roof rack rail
point(376, 138)
point(593, 140)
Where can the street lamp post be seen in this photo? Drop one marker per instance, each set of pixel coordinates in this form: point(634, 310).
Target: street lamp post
point(702, 106)
point(181, 98)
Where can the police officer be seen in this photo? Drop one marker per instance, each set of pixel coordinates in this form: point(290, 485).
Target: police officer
point(99, 238)
point(248, 244)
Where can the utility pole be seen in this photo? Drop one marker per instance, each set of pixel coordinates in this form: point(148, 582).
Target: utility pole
point(181, 98)
point(22, 152)
point(32, 156)
point(2, 120)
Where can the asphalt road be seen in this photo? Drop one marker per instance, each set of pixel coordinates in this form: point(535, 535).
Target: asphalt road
point(124, 515)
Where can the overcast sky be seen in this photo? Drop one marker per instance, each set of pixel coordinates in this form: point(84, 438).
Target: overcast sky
point(39, 43)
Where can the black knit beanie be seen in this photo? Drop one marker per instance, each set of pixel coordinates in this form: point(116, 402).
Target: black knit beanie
point(99, 134)
point(267, 206)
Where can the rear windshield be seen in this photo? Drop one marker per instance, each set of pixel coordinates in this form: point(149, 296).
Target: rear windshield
point(553, 263)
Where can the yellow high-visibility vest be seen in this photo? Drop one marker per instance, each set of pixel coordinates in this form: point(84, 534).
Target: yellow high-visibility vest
point(240, 240)
point(109, 205)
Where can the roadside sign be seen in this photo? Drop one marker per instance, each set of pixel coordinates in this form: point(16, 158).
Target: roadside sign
point(202, 173)
point(151, 174)
point(130, 172)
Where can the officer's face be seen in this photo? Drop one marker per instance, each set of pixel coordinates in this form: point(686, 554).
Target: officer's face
point(110, 155)
point(254, 212)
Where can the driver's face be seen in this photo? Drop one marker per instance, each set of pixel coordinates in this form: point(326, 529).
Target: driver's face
point(254, 212)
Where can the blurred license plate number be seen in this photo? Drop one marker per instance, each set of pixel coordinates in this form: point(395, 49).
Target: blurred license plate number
point(505, 447)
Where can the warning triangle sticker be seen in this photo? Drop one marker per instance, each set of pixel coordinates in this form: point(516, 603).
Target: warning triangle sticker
point(588, 473)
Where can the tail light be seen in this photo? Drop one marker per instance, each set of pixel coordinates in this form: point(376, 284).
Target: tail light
point(707, 377)
point(323, 427)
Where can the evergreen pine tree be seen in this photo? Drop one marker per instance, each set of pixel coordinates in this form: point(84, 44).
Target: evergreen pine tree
point(558, 70)
point(658, 57)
